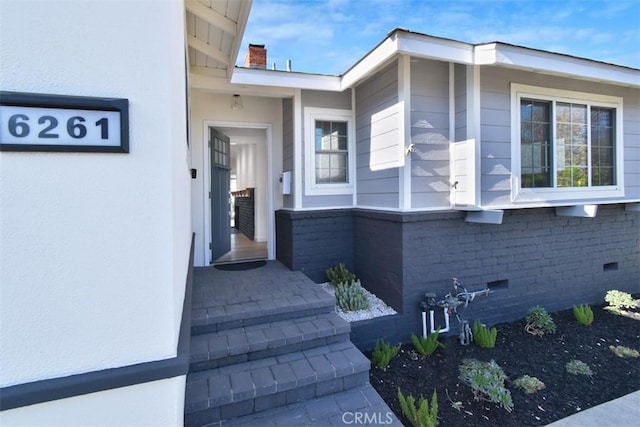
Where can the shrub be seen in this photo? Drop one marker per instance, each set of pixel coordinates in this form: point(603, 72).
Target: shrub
point(426, 346)
point(383, 353)
point(420, 416)
point(351, 297)
point(618, 301)
point(529, 384)
point(483, 336)
point(624, 352)
point(486, 379)
point(583, 314)
point(340, 274)
point(578, 367)
point(539, 321)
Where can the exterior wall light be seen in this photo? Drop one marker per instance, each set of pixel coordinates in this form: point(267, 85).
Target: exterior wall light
point(236, 102)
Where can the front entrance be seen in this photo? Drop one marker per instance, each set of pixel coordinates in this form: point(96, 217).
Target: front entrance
point(240, 194)
point(220, 183)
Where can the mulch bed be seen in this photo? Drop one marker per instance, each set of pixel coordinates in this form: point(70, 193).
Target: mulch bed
point(519, 353)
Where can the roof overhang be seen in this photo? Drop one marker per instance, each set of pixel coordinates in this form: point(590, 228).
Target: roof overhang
point(505, 55)
point(214, 33)
point(403, 42)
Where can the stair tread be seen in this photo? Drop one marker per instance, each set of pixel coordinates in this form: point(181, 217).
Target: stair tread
point(334, 409)
point(249, 380)
point(263, 308)
point(231, 342)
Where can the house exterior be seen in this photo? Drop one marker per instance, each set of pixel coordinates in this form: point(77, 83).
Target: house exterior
point(503, 166)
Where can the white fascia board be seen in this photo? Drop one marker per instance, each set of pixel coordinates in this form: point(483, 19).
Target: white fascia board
point(434, 48)
point(202, 78)
point(371, 62)
point(287, 79)
point(553, 63)
point(241, 25)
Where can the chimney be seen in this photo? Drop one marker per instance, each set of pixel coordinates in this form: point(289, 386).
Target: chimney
point(256, 56)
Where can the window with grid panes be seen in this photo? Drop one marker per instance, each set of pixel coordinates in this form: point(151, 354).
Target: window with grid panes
point(331, 151)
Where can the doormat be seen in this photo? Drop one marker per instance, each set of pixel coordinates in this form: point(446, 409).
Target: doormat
point(241, 266)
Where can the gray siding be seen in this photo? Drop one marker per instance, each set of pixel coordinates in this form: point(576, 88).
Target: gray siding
point(430, 174)
point(461, 102)
point(631, 123)
point(377, 184)
point(319, 99)
point(287, 147)
point(496, 128)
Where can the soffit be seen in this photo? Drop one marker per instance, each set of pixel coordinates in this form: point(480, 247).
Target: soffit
point(214, 32)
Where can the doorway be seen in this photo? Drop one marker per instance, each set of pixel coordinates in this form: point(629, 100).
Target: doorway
point(240, 208)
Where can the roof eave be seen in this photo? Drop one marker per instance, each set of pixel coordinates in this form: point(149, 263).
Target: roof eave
point(505, 55)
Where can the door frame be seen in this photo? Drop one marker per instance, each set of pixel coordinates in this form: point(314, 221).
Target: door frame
point(271, 223)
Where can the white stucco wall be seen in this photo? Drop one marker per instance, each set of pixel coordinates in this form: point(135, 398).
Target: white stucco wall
point(150, 404)
point(94, 247)
point(257, 112)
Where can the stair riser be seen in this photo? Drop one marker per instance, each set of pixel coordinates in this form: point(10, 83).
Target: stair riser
point(205, 326)
point(274, 400)
point(268, 352)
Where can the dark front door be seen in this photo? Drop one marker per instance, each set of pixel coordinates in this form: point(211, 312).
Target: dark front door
point(220, 178)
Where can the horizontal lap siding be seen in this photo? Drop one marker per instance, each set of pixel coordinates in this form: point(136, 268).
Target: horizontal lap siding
point(377, 125)
point(495, 131)
point(631, 123)
point(320, 99)
point(430, 134)
point(496, 128)
point(460, 89)
point(287, 147)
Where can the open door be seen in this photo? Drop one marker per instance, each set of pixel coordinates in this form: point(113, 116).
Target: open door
point(220, 181)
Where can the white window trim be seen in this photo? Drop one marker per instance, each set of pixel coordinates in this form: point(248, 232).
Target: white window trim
point(311, 114)
point(543, 195)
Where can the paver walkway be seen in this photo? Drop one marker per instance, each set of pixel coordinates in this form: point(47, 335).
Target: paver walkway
point(267, 349)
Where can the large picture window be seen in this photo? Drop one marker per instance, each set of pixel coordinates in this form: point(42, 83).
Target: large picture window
point(568, 143)
point(329, 152)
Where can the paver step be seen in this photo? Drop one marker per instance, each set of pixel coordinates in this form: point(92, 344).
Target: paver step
point(239, 345)
point(242, 311)
point(357, 406)
point(245, 388)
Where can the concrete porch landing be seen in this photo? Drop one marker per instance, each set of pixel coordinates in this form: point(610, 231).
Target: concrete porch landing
point(268, 349)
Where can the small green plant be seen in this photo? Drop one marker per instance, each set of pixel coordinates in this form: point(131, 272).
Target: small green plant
point(583, 314)
point(351, 297)
point(578, 367)
point(539, 322)
point(426, 346)
point(529, 384)
point(619, 301)
point(483, 336)
point(624, 352)
point(421, 415)
point(339, 274)
point(486, 379)
point(383, 353)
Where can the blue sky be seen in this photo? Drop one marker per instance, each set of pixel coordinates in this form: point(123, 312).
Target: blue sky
point(328, 36)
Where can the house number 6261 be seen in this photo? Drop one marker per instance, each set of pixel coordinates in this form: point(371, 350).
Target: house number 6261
point(18, 126)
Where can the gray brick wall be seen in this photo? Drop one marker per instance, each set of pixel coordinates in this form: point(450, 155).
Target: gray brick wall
point(538, 257)
point(313, 241)
point(548, 260)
